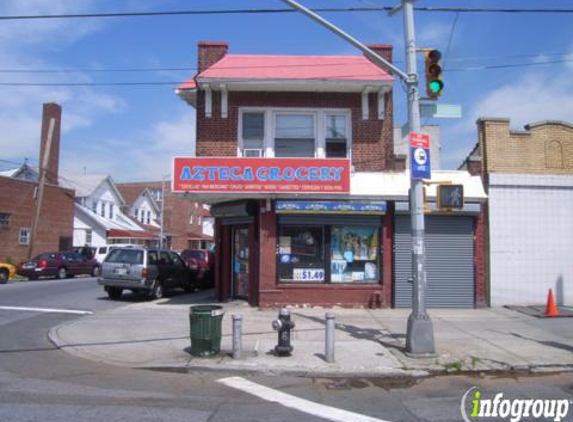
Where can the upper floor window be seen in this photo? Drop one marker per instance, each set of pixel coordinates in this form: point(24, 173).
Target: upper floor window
point(294, 135)
point(253, 134)
point(336, 136)
point(282, 132)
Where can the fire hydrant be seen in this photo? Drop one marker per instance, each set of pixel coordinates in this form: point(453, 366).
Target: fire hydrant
point(283, 325)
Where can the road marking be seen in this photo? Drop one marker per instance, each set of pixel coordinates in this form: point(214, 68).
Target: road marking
point(57, 311)
point(302, 405)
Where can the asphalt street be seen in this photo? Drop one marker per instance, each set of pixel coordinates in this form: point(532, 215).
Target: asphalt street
point(41, 383)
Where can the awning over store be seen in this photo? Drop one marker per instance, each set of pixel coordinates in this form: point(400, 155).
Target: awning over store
point(368, 186)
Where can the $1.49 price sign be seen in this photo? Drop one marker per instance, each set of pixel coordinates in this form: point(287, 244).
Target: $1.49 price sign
point(308, 274)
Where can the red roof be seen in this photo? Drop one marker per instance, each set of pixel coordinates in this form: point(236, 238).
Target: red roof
point(262, 67)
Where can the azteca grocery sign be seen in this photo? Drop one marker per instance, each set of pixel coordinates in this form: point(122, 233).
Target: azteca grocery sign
point(259, 175)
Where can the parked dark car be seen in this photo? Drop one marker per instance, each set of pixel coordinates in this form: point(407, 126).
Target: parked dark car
point(151, 271)
point(204, 261)
point(58, 264)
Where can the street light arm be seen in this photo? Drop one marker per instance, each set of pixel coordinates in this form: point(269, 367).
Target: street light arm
point(368, 52)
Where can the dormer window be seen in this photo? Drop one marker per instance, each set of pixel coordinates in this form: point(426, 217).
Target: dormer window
point(281, 132)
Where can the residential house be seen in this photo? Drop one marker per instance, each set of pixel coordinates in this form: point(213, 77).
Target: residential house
point(183, 220)
point(295, 154)
point(99, 218)
point(18, 201)
point(528, 176)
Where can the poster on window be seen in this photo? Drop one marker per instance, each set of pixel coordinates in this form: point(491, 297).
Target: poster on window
point(354, 254)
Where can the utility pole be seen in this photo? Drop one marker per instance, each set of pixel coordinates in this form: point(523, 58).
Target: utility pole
point(41, 187)
point(420, 334)
point(161, 233)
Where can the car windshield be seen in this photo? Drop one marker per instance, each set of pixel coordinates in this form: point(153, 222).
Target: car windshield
point(199, 255)
point(126, 256)
point(45, 256)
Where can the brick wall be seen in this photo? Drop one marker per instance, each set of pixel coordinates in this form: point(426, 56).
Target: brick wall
point(210, 53)
point(543, 148)
point(372, 143)
point(56, 217)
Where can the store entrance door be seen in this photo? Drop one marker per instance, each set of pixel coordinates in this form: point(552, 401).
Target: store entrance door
point(240, 263)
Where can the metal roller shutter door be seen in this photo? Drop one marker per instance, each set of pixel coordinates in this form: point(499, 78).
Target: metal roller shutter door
point(449, 262)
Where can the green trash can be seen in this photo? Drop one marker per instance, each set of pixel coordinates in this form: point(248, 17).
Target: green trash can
point(205, 322)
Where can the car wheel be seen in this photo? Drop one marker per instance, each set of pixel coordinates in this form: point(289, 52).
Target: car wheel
point(114, 292)
point(4, 276)
point(62, 273)
point(96, 271)
point(156, 291)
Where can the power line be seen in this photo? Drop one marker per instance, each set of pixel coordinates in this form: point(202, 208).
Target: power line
point(275, 11)
point(507, 66)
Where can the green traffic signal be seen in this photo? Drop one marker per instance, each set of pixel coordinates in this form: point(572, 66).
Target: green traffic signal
point(434, 84)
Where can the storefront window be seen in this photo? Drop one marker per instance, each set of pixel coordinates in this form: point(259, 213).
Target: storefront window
point(354, 254)
point(301, 254)
point(329, 254)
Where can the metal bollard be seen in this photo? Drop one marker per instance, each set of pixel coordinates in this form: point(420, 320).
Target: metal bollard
point(329, 343)
point(237, 340)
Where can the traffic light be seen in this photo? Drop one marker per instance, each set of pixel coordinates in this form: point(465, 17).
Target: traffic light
point(434, 84)
point(450, 196)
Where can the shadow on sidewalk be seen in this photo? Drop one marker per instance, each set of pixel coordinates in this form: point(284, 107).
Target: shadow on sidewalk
point(553, 344)
point(383, 337)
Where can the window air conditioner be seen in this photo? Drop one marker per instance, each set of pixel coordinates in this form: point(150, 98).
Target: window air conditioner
point(252, 152)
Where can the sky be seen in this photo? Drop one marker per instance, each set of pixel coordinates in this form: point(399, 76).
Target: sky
point(132, 132)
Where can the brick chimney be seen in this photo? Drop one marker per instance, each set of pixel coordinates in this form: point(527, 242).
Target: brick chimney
point(383, 50)
point(51, 110)
point(209, 53)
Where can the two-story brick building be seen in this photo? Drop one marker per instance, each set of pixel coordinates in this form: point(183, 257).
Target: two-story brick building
point(308, 236)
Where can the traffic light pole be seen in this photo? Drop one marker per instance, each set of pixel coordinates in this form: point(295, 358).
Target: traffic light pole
point(420, 334)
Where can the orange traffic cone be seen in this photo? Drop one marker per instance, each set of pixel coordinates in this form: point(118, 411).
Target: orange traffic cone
point(551, 310)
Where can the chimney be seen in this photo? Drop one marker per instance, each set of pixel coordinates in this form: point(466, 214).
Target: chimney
point(51, 110)
point(210, 53)
point(383, 50)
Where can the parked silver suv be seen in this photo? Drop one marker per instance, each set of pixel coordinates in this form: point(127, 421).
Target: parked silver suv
point(144, 270)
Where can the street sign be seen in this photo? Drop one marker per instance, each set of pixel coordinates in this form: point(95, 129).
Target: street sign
point(420, 156)
point(441, 111)
point(450, 196)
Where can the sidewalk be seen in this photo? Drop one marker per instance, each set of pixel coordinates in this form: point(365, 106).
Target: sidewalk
point(368, 342)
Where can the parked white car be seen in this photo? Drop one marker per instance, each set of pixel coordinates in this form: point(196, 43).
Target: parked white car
point(102, 251)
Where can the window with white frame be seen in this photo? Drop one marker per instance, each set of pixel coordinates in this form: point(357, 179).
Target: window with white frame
point(110, 211)
point(253, 134)
point(24, 236)
point(336, 137)
point(148, 220)
point(88, 236)
point(102, 209)
point(293, 132)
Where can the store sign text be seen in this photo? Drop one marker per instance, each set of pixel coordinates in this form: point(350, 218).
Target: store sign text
point(261, 175)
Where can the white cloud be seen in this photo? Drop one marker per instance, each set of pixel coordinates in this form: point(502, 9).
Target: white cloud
point(144, 156)
point(30, 45)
